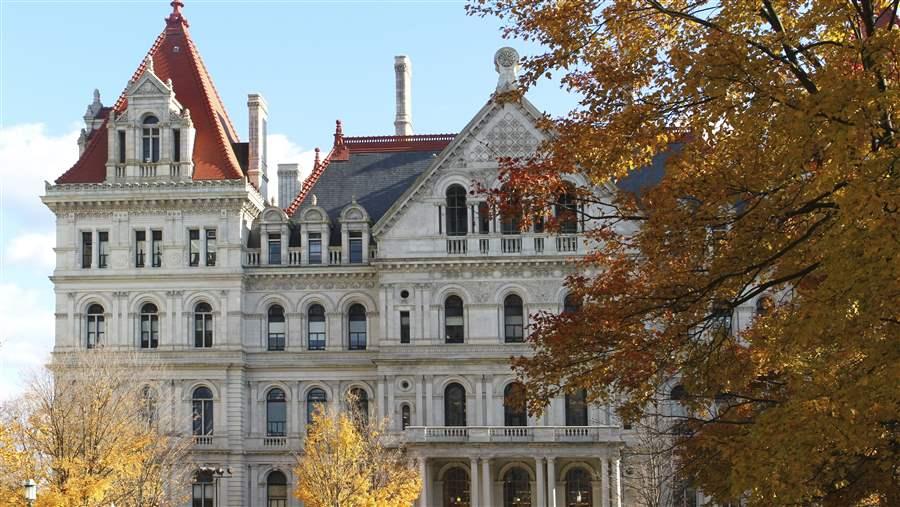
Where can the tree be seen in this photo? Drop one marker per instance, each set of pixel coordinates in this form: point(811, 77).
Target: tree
point(770, 130)
point(90, 432)
point(346, 462)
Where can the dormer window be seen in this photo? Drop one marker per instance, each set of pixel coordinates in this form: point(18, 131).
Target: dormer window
point(150, 139)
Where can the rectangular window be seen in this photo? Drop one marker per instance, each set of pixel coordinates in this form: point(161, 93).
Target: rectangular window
point(150, 144)
point(210, 247)
point(140, 248)
point(194, 247)
point(121, 146)
point(103, 249)
point(156, 248)
point(404, 327)
point(176, 145)
point(315, 248)
point(87, 249)
point(356, 250)
point(484, 218)
point(274, 248)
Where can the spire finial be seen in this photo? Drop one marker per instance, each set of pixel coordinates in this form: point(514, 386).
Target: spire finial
point(316, 161)
point(175, 16)
point(506, 63)
point(338, 133)
point(148, 63)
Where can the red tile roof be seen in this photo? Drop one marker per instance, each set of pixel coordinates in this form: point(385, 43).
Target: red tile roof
point(175, 57)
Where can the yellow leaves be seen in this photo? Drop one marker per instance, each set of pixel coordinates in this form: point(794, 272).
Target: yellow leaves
point(346, 462)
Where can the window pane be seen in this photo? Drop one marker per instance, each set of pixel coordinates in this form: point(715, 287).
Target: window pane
point(87, 249)
point(210, 247)
point(404, 327)
point(156, 248)
point(140, 247)
point(194, 242)
point(356, 249)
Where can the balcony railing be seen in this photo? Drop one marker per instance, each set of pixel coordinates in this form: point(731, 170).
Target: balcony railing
point(456, 246)
point(500, 434)
point(274, 441)
point(334, 255)
point(203, 439)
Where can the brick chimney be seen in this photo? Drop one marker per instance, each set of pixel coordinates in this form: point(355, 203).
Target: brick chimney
point(403, 120)
point(256, 167)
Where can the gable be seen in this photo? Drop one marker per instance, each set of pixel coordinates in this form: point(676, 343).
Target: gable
point(498, 130)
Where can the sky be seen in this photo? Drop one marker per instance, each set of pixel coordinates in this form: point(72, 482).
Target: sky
point(313, 61)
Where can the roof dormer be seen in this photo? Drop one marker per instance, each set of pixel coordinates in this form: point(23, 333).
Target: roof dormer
point(153, 138)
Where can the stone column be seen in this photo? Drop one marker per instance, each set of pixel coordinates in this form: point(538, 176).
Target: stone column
point(429, 399)
point(539, 475)
point(604, 482)
point(479, 406)
point(617, 483)
point(264, 247)
point(379, 404)
point(389, 409)
point(473, 483)
point(486, 483)
point(551, 482)
point(419, 406)
point(423, 473)
point(489, 400)
point(595, 494)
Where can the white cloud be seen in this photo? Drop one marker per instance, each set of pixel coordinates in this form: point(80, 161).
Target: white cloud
point(26, 336)
point(284, 151)
point(32, 249)
point(28, 157)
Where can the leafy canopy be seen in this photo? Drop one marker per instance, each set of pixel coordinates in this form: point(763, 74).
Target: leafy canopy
point(777, 124)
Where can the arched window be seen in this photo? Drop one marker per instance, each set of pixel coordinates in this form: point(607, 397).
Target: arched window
point(150, 139)
point(96, 326)
point(276, 490)
point(360, 399)
point(513, 319)
point(454, 405)
point(577, 408)
point(578, 488)
point(203, 490)
point(721, 317)
point(203, 325)
point(571, 304)
point(678, 393)
point(357, 325)
point(764, 306)
point(516, 488)
point(456, 488)
point(149, 326)
point(514, 413)
point(276, 327)
point(405, 417)
point(276, 413)
point(316, 327)
point(457, 214)
point(566, 211)
point(315, 400)
point(148, 406)
point(202, 404)
point(453, 319)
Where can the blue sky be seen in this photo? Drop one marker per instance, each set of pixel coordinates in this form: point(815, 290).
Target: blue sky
point(314, 61)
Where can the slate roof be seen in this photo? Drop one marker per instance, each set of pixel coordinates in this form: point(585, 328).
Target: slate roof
point(376, 180)
point(639, 180)
point(175, 57)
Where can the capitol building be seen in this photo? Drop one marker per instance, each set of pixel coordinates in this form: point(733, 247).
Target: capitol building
point(380, 274)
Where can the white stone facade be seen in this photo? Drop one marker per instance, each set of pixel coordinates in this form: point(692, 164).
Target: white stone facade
point(196, 250)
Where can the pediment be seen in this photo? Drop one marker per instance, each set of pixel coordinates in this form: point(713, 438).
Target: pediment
point(149, 84)
point(498, 130)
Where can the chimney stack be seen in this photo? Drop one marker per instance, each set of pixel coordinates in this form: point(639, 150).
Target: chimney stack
point(259, 120)
point(288, 183)
point(403, 71)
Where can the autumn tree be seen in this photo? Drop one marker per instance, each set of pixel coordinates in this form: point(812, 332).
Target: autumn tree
point(348, 461)
point(736, 154)
point(92, 431)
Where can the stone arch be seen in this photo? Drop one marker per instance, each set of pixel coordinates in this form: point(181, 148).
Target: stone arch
point(85, 301)
point(311, 299)
point(314, 214)
point(515, 464)
point(195, 298)
point(262, 307)
point(139, 300)
point(188, 394)
point(578, 464)
point(263, 474)
point(352, 298)
point(449, 179)
point(511, 288)
point(316, 384)
point(451, 289)
point(354, 212)
point(455, 379)
point(261, 395)
point(453, 464)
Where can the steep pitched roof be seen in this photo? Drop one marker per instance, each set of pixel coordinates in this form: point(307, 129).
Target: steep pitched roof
point(375, 169)
point(175, 57)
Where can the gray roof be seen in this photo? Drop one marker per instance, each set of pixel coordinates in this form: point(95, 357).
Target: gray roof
point(377, 180)
point(640, 180)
